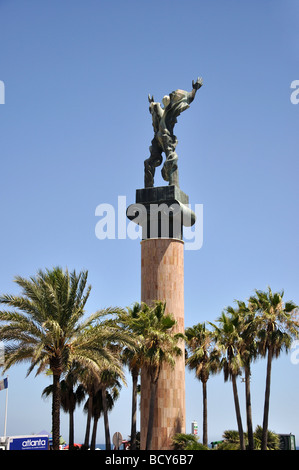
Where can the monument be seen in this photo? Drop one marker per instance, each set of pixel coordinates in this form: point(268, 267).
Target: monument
point(162, 212)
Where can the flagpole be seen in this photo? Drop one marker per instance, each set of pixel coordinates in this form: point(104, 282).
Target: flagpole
point(5, 420)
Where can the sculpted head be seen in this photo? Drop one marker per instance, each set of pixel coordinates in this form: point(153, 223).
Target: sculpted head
point(166, 100)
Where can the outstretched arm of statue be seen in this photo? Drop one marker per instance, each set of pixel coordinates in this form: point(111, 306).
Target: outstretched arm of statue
point(195, 86)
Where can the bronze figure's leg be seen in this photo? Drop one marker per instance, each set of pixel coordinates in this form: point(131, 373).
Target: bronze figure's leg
point(151, 163)
point(170, 170)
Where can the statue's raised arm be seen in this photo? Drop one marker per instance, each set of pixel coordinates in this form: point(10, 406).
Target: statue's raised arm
point(196, 85)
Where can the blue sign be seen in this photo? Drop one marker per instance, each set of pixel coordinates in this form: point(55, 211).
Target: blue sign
point(29, 443)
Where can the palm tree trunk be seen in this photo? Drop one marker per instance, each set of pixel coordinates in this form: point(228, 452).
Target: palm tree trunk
point(106, 422)
point(149, 435)
point(267, 400)
point(56, 411)
point(248, 408)
point(88, 422)
point(205, 414)
point(134, 410)
point(71, 429)
point(94, 433)
point(238, 413)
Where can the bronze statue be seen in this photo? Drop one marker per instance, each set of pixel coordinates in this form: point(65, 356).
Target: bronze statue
point(164, 120)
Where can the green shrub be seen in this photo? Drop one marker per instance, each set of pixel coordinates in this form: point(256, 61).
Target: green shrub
point(181, 441)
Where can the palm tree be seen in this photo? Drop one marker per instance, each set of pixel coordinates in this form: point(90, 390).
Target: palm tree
point(91, 387)
point(231, 436)
point(109, 381)
point(232, 441)
point(200, 359)
point(47, 329)
point(159, 346)
point(276, 329)
point(70, 398)
point(134, 360)
point(183, 442)
point(227, 338)
point(248, 352)
point(272, 439)
point(98, 409)
point(110, 339)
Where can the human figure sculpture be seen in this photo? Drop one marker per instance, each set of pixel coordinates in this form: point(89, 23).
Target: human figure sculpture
point(163, 120)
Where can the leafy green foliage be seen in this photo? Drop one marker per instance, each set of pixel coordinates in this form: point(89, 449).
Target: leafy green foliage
point(181, 441)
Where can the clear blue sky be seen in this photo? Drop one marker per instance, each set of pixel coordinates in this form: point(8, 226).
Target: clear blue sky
point(75, 130)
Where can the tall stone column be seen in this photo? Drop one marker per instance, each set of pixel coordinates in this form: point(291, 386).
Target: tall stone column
point(162, 212)
point(162, 278)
